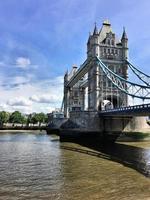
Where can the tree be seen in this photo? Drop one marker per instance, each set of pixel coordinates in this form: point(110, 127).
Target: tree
point(4, 117)
point(34, 119)
point(38, 118)
point(23, 120)
point(16, 117)
point(29, 119)
point(41, 118)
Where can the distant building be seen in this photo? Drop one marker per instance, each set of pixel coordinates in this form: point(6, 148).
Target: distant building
point(56, 114)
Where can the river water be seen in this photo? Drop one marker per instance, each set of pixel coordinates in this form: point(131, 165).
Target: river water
point(38, 167)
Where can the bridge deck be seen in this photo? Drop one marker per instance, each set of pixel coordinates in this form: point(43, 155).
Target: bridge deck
point(138, 110)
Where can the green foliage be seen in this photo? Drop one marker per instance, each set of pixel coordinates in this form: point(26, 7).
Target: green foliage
point(4, 117)
point(41, 118)
point(16, 117)
point(38, 118)
point(29, 119)
point(34, 119)
point(23, 119)
point(46, 118)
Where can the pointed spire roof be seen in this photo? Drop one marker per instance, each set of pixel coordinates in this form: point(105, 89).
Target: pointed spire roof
point(95, 32)
point(66, 73)
point(124, 35)
point(89, 37)
point(106, 28)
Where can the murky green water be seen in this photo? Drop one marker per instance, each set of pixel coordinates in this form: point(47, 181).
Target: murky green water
point(37, 167)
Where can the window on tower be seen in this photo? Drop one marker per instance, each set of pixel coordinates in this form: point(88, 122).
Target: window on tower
point(112, 42)
point(75, 102)
point(109, 83)
point(120, 71)
point(75, 94)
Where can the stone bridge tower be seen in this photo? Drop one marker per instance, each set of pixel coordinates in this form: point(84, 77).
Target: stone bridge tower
point(112, 52)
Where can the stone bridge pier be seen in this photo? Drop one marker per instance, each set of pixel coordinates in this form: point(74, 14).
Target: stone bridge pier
point(90, 124)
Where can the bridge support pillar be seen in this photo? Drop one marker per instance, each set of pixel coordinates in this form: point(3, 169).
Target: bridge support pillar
point(93, 87)
point(66, 102)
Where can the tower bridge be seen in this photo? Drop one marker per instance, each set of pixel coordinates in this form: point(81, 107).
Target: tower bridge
point(104, 75)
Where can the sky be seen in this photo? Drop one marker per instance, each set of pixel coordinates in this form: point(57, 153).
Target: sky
point(41, 39)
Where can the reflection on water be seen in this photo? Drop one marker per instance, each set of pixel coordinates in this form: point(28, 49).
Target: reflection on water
point(37, 166)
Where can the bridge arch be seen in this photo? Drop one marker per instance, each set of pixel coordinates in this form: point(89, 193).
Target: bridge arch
point(114, 102)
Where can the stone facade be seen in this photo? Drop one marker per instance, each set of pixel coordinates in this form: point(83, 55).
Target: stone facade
point(113, 52)
point(105, 45)
point(74, 96)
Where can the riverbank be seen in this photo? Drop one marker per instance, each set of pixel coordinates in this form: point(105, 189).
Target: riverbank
point(36, 132)
point(23, 128)
point(20, 130)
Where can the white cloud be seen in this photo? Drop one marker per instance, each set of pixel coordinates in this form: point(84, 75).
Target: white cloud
point(20, 101)
point(23, 62)
point(3, 106)
point(42, 96)
point(45, 98)
point(15, 82)
point(20, 79)
point(23, 109)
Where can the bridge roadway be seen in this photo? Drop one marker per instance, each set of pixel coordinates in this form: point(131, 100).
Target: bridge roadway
point(138, 110)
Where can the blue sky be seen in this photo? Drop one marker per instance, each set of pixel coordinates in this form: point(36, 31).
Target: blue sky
point(41, 39)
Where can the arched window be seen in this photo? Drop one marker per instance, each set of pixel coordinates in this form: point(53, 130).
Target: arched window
point(112, 42)
point(108, 41)
point(120, 71)
point(75, 102)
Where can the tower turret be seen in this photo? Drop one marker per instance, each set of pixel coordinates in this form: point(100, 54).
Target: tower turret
point(94, 41)
point(66, 77)
point(95, 32)
point(124, 41)
point(66, 94)
point(124, 35)
point(89, 53)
